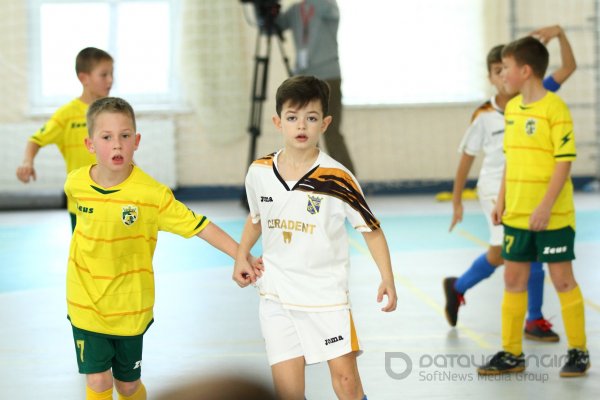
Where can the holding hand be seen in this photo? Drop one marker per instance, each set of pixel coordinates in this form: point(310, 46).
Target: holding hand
point(457, 215)
point(247, 270)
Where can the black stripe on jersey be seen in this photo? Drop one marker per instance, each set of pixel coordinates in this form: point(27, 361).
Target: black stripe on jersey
point(200, 223)
point(340, 187)
point(102, 191)
point(565, 155)
point(283, 182)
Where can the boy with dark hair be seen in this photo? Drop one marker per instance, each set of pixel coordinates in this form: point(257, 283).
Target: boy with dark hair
point(485, 134)
point(67, 126)
point(110, 277)
point(300, 199)
point(535, 205)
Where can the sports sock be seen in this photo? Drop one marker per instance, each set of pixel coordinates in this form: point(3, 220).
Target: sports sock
point(140, 394)
point(479, 270)
point(91, 395)
point(514, 306)
point(573, 317)
point(535, 290)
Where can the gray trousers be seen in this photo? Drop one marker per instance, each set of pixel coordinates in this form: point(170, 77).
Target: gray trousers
point(334, 141)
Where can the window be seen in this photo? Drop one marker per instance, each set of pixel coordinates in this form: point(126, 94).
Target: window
point(407, 52)
point(140, 35)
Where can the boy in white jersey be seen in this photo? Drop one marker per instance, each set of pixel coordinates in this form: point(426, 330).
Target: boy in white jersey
point(67, 126)
point(299, 200)
point(485, 134)
point(110, 278)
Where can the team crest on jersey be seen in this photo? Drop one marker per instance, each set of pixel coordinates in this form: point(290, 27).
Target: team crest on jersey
point(314, 204)
point(530, 126)
point(129, 215)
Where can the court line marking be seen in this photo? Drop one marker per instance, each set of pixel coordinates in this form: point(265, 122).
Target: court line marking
point(426, 299)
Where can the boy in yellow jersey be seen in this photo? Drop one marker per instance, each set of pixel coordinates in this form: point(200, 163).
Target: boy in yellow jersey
point(535, 205)
point(110, 278)
point(67, 126)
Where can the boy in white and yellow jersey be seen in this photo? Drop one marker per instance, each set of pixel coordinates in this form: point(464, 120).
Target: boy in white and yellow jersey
point(535, 205)
point(67, 127)
point(110, 277)
point(300, 199)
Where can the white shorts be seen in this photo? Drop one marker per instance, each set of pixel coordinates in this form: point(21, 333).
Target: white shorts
point(316, 336)
point(496, 231)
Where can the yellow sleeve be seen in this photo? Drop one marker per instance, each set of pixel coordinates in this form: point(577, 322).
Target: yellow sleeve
point(562, 134)
point(176, 217)
point(50, 133)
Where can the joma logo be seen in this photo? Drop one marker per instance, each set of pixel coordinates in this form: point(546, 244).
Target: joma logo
point(333, 340)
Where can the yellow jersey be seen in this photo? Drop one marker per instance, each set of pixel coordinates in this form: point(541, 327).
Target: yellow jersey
point(110, 278)
point(67, 129)
point(537, 136)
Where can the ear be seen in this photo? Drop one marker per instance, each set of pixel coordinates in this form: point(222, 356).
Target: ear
point(138, 137)
point(83, 77)
point(277, 121)
point(90, 145)
point(526, 71)
point(326, 121)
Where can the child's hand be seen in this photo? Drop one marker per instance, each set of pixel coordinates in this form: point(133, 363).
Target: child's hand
point(243, 272)
point(257, 265)
point(546, 33)
point(457, 215)
point(497, 213)
point(388, 289)
point(26, 172)
point(539, 218)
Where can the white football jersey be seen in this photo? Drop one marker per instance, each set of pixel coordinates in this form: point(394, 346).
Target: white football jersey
point(304, 239)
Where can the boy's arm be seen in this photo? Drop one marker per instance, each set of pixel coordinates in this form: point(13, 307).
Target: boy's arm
point(460, 180)
point(498, 210)
point(541, 215)
point(568, 64)
point(243, 272)
point(381, 254)
point(26, 171)
point(219, 239)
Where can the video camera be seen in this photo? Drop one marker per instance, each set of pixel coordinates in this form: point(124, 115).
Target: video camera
point(266, 12)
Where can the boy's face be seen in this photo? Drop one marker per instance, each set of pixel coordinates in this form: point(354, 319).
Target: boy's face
point(113, 140)
point(513, 75)
point(497, 80)
point(302, 127)
point(98, 81)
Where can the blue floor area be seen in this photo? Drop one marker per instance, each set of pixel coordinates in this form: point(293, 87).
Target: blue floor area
point(34, 252)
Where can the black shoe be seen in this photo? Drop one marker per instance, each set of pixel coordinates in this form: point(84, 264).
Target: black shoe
point(540, 330)
point(503, 363)
point(453, 300)
point(577, 363)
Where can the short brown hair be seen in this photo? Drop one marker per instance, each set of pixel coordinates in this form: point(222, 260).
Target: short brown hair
point(494, 57)
point(529, 51)
point(110, 105)
point(88, 58)
point(301, 90)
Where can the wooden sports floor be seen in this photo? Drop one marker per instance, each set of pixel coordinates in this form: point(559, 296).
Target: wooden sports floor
point(205, 324)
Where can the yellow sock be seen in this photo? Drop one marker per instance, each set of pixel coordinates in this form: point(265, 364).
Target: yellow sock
point(91, 395)
point(514, 307)
point(140, 394)
point(573, 317)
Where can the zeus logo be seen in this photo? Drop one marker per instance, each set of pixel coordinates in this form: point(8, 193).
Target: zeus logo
point(138, 364)
point(266, 199)
point(565, 139)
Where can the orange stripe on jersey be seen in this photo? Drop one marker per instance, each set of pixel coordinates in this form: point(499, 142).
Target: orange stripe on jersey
point(119, 314)
point(561, 123)
point(544, 181)
point(353, 336)
point(528, 148)
point(167, 205)
point(110, 278)
point(152, 239)
point(266, 160)
point(338, 183)
point(104, 200)
point(485, 107)
point(526, 115)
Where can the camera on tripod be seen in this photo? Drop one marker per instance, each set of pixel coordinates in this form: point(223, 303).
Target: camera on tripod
point(266, 12)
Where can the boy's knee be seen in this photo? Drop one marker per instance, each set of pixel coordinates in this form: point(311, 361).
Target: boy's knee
point(99, 382)
point(349, 384)
point(127, 388)
point(515, 281)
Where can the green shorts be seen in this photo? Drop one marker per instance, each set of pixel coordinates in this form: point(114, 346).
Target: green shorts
point(97, 353)
point(544, 246)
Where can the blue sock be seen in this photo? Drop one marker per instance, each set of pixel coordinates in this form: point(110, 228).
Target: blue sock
point(364, 398)
point(535, 291)
point(480, 269)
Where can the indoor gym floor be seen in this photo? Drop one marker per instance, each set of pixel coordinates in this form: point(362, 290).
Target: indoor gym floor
point(205, 324)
